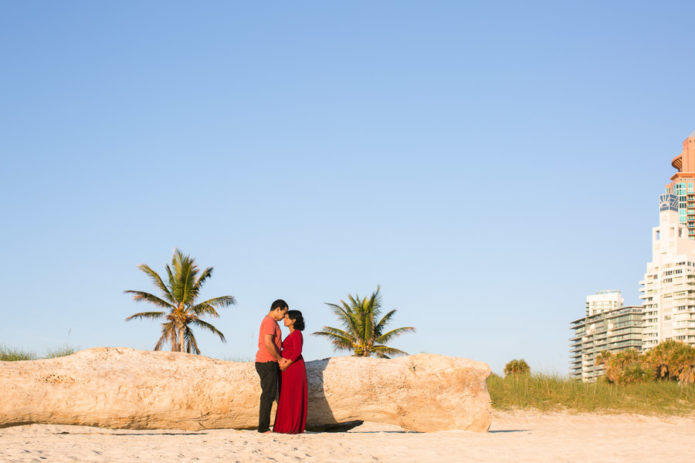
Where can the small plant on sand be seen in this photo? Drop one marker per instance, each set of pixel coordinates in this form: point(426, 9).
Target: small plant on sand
point(179, 301)
point(517, 368)
point(363, 332)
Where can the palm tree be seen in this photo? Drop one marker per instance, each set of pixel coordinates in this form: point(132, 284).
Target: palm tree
point(517, 368)
point(361, 334)
point(178, 298)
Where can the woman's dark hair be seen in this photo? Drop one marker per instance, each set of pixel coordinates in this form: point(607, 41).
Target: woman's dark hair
point(296, 315)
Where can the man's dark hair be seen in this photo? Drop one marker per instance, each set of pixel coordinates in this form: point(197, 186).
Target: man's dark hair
point(278, 304)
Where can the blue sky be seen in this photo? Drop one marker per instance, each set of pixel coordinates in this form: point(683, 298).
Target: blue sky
point(489, 164)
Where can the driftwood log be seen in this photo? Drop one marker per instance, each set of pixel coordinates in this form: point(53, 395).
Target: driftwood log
point(126, 388)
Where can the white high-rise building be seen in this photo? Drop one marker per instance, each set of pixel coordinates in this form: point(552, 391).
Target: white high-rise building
point(668, 288)
point(603, 301)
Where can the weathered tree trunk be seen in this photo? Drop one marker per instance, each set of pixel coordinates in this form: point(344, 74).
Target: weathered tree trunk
point(125, 388)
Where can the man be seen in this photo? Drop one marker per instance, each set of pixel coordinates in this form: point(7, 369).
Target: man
point(269, 360)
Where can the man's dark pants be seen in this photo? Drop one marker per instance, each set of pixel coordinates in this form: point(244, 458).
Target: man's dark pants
point(270, 375)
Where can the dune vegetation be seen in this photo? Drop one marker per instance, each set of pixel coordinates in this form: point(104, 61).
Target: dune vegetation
point(8, 354)
point(658, 382)
point(556, 393)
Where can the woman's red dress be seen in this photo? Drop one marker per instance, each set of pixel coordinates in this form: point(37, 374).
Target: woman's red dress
point(294, 390)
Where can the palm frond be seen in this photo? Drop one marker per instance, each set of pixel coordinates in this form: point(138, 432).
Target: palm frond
point(208, 307)
point(150, 315)
point(339, 338)
point(157, 280)
point(209, 327)
point(346, 317)
point(204, 309)
point(355, 301)
point(172, 283)
point(382, 351)
point(151, 298)
point(381, 324)
point(336, 331)
point(185, 271)
point(207, 273)
point(367, 316)
point(168, 336)
point(394, 333)
point(191, 344)
point(375, 302)
point(160, 342)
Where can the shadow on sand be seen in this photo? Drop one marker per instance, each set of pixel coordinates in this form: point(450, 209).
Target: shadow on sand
point(498, 431)
point(133, 433)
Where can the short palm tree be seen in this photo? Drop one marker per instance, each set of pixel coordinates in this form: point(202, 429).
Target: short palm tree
point(361, 334)
point(179, 301)
point(517, 368)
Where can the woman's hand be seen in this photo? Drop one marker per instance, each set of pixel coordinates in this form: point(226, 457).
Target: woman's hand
point(284, 364)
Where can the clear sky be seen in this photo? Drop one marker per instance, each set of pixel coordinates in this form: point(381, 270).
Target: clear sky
point(489, 164)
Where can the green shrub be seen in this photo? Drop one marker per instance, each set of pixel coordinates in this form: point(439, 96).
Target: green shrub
point(517, 368)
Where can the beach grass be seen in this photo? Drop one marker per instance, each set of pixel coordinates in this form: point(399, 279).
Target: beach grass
point(60, 352)
point(8, 354)
point(11, 355)
point(556, 393)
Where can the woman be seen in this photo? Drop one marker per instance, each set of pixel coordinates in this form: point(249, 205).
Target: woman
point(291, 414)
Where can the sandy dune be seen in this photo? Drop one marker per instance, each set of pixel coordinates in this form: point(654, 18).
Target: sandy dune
point(514, 437)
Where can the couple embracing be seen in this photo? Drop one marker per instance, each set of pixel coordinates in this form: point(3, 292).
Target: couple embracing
point(281, 368)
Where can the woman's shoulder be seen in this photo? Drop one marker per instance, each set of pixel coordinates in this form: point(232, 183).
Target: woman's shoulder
point(295, 336)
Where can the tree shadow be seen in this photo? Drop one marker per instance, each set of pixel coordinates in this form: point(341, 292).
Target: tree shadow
point(319, 411)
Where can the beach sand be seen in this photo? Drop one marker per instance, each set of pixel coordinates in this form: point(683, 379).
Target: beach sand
point(521, 436)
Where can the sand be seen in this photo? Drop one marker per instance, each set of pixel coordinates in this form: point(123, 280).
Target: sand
point(514, 437)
